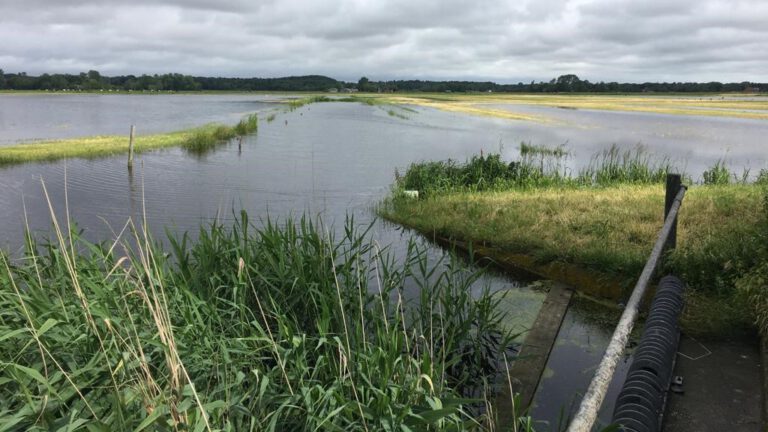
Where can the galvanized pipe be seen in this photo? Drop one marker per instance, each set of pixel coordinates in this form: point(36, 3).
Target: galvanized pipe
point(593, 398)
point(640, 403)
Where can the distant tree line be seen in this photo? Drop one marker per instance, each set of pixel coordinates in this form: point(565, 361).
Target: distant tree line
point(562, 84)
point(94, 81)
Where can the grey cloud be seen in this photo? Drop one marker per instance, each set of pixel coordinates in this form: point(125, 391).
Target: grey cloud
point(504, 40)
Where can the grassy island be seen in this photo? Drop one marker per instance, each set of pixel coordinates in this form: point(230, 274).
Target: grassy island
point(595, 230)
point(195, 140)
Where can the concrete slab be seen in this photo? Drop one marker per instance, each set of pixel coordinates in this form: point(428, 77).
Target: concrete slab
point(532, 358)
point(723, 387)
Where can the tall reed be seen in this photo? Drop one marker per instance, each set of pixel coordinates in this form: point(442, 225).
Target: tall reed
point(205, 139)
point(537, 166)
point(282, 327)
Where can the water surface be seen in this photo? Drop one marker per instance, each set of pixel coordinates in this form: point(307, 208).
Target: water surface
point(28, 117)
point(692, 143)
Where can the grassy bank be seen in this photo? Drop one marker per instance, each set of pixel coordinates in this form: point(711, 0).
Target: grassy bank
point(195, 140)
point(278, 328)
point(604, 220)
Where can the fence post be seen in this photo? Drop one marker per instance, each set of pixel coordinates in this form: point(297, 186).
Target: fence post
point(130, 146)
point(674, 183)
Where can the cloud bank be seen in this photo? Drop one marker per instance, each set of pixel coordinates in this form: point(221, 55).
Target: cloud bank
point(499, 40)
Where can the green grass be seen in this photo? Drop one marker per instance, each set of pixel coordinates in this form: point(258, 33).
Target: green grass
point(537, 167)
point(195, 140)
point(277, 328)
point(603, 222)
point(753, 283)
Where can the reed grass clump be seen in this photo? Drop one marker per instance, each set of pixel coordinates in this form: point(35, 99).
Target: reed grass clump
point(717, 174)
point(205, 139)
point(630, 166)
point(479, 173)
point(537, 167)
point(277, 328)
point(246, 125)
point(294, 104)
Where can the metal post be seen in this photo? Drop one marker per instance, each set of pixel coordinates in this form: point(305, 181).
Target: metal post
point(130, 146)
point(674, 184)
point(593, 398)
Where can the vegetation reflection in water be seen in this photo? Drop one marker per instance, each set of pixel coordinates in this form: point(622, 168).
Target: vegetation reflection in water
point(277, 328)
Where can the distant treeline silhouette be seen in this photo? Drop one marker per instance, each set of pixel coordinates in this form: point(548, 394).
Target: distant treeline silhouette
point(93, 80)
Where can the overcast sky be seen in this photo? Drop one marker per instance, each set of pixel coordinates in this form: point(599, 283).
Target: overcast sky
point(499, 40)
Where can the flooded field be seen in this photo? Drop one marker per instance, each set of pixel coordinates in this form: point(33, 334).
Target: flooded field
point(330, 160)
point(57, 116)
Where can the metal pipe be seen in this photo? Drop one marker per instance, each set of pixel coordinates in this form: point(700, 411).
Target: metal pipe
point(593, 398)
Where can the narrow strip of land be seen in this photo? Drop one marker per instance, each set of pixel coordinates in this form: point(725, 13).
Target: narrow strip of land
point(195, 139)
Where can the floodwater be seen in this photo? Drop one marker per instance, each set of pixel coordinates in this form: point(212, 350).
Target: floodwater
point(329, 160)
point(692, 143)
point(28, 117)
point(578, 349)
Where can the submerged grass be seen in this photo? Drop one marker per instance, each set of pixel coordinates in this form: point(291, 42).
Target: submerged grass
point(294, 104)
point(195, 140)
point(276, 328)
point(605, 220)
point(485, 104)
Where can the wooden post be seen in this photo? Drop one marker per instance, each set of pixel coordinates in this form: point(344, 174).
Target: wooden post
point(673, 187)
point(130, 146)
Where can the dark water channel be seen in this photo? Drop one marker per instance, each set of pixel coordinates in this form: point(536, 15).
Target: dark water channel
point(329, 160)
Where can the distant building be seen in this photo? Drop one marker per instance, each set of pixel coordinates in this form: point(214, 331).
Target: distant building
point(333, 90)
point(349, 90)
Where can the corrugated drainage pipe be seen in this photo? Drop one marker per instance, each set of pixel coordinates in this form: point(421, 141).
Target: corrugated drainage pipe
point(640, 404)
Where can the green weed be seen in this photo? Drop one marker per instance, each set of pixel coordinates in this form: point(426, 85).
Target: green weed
point(718, 174)
point(276, 328)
